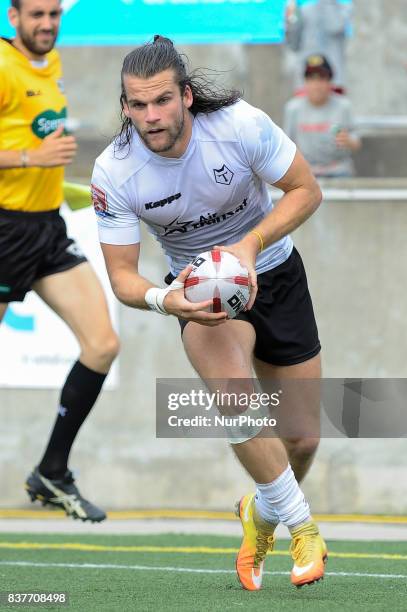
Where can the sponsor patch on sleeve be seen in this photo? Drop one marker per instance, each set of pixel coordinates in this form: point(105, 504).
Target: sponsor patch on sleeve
point(100, 204)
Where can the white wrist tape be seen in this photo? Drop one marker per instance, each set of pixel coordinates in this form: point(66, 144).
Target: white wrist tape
point(154, 296)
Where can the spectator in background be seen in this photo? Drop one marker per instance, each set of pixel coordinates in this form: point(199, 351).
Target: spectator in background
point(319, 26)
point(321, 123)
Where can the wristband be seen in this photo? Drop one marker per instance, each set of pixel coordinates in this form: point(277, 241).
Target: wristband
point(154, 296)
point(260, 237)
point(24, 158)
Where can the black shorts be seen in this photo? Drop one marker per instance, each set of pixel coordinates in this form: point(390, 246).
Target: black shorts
point(282, 315)
point(32, 245)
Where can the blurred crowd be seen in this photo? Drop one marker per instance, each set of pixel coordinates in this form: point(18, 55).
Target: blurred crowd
point(319, 116)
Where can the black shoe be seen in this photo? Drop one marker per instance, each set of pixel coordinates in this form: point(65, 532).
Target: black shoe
point(64, 494)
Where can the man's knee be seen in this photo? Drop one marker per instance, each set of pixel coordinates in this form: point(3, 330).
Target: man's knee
point(111, 347)
point(102, 349)
point(301, 448)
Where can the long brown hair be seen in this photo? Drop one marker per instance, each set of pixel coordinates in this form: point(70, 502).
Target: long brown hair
point(159, 55)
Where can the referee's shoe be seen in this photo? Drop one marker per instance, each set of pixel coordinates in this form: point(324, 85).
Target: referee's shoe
point(64, 494)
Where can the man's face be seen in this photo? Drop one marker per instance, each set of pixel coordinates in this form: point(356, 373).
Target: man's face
point(317, 89)
point(159, 112)
point(37, 24)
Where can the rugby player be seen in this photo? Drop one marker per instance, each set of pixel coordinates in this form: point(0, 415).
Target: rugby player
point(200, 152)
point(35, 252)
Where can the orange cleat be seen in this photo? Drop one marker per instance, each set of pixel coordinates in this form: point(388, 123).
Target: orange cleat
point(309, 553)
point(258, 539)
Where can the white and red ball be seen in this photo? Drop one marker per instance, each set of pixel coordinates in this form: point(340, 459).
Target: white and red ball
point(218, 276)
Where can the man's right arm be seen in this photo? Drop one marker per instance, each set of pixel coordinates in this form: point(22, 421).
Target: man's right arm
point(131, 288)
point(55, 150)
point(122, 267)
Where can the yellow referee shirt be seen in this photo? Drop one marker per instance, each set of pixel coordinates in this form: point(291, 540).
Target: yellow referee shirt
point(32, 105)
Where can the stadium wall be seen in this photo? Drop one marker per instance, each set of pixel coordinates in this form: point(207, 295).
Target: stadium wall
point(377, 75)
point(377, 84)
point(355, 253)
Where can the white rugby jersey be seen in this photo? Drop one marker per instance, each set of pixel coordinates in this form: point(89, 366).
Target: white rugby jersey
point(213, 195)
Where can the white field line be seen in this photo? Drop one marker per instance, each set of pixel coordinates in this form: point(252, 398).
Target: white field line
point(189, 570)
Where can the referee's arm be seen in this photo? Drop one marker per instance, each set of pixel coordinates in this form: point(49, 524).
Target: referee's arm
point(55, 150)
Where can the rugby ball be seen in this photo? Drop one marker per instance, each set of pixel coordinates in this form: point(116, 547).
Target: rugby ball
point(218, 276)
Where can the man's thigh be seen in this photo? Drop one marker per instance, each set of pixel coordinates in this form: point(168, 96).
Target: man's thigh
point(20, 246)
point(283, 315)
point(32, 245)
point(77, 296)
point(222, 356)
point(298, 413)
point(220, 352)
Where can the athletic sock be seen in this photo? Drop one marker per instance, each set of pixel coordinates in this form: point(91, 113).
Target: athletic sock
point(282, 501)
point(263, 507)
point(78, 395)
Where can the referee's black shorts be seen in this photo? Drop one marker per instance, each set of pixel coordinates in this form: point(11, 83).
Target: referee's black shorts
point(282, 315)
point(32, 245)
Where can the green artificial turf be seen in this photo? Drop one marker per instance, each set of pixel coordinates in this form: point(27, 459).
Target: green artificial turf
point(97, 588)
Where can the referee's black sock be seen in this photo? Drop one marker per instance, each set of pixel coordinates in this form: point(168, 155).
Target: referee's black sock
point(78, 396)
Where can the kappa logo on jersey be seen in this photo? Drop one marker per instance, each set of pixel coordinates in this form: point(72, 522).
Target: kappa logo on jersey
point(99, 199)
point(30, 93)
point(182, 227)
point(162, 202)
point(224, 175)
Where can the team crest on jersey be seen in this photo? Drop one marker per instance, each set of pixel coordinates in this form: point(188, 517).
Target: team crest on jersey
point(223, 175)
point(99, 199)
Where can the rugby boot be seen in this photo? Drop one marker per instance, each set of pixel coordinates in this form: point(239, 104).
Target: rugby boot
point(62, 493)
point(258, 540)
point(309, 553)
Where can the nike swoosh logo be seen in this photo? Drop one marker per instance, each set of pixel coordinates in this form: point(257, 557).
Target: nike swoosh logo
point(257, 580)
point(299, 571)
point(246, 516)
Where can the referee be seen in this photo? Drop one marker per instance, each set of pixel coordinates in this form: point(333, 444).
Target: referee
point(35, 252)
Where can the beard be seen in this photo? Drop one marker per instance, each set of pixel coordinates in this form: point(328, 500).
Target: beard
point(170, 135)
point(35, 46)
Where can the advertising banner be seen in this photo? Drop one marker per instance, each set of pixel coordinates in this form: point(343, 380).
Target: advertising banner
point(37, 349)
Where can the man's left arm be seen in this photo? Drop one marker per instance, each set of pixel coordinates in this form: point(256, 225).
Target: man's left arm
point(301, 198)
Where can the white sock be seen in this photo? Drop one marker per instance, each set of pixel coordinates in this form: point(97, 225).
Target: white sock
point(282, 501)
